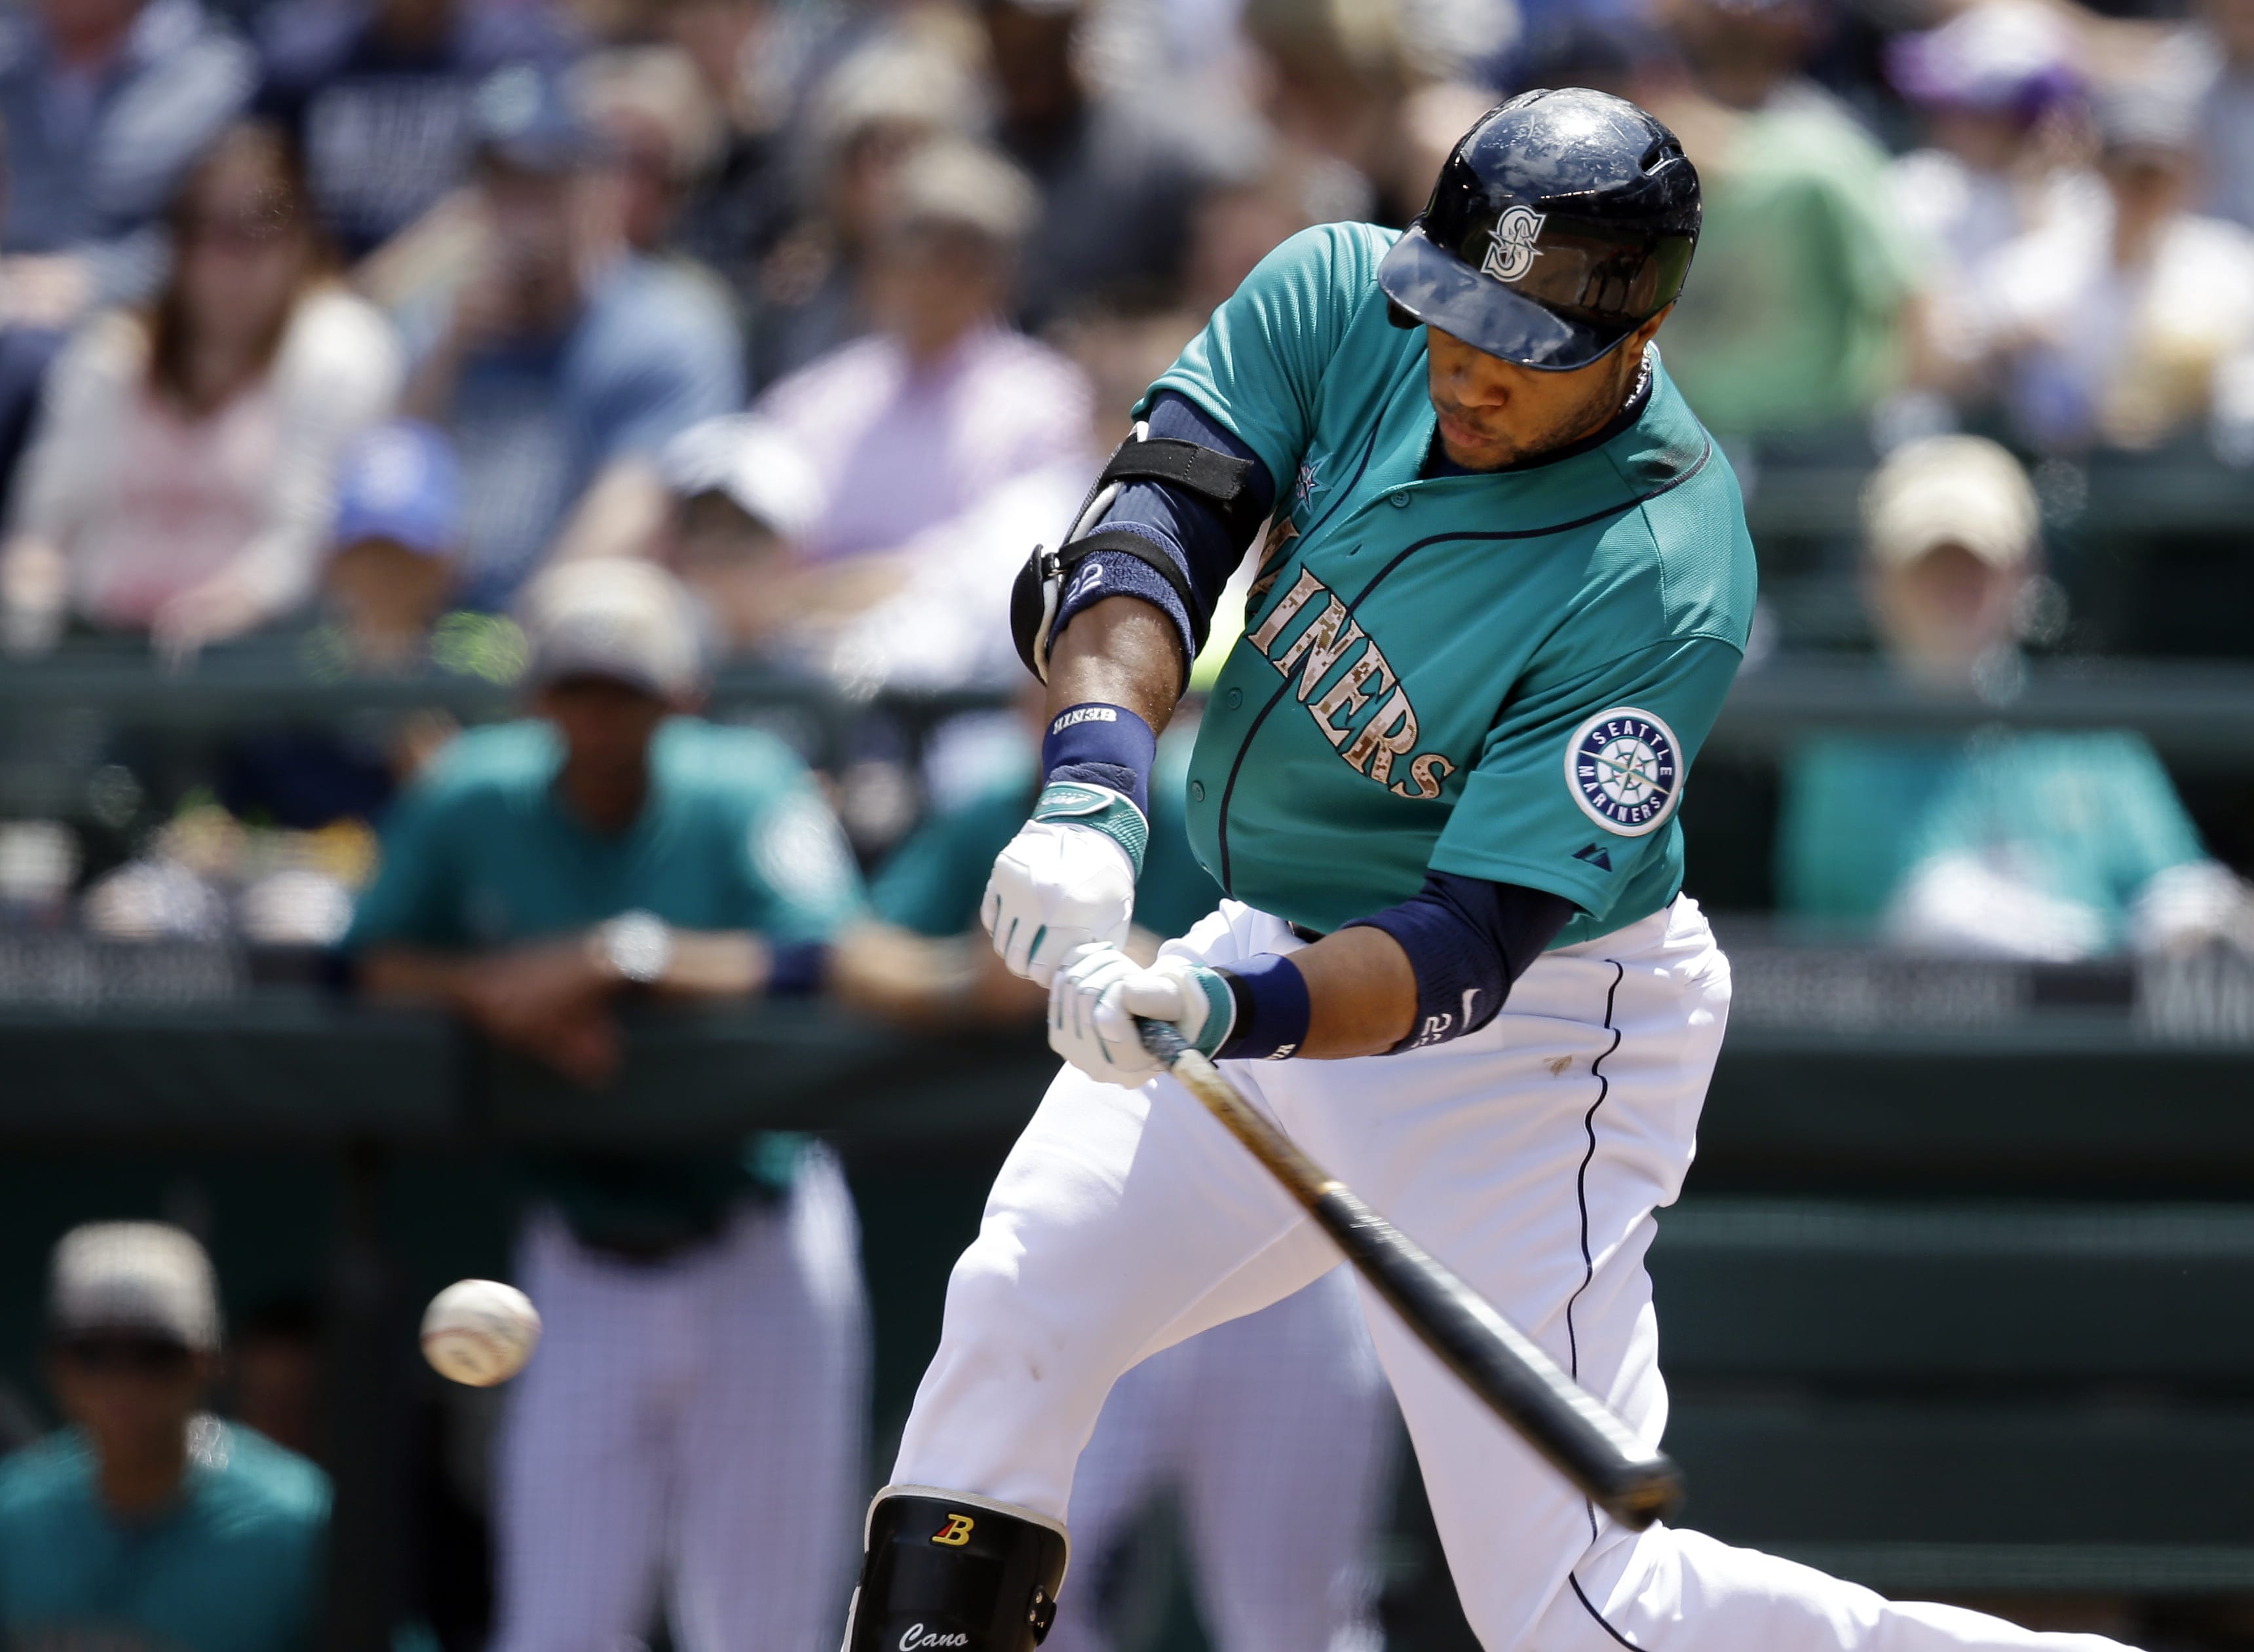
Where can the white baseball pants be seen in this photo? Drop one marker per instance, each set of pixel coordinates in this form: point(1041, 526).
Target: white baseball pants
point(1530, 1156)
point(699, 1421)
point(1278, 1435)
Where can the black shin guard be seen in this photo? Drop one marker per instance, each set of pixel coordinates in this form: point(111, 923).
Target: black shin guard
point(946, 1572)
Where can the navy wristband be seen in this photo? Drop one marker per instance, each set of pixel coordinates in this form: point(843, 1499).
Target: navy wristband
point(1272, 1009)
point(1468, 940)
point(1095, 744)
point(795, 970)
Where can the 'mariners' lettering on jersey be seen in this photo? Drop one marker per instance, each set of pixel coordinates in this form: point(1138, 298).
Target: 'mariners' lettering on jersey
point(1312, 655)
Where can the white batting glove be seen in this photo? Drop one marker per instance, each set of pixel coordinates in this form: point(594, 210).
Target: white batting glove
point(1095, 999)
point(1066, 881)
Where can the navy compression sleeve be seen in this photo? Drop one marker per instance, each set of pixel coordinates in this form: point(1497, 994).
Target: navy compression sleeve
point(1186, 528)
point(1468, 940)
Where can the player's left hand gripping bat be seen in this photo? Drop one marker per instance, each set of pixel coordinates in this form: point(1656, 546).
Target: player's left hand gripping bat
point(1502, 1365)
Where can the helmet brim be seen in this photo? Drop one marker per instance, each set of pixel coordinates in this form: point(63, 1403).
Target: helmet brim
point(1436, 286)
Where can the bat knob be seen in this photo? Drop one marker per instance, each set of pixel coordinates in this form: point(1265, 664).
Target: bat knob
point(1648, 1491)
point(1163, 1039)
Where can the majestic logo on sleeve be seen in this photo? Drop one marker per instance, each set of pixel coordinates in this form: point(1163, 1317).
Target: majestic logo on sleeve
point(1511, 251)
point(1625, 770)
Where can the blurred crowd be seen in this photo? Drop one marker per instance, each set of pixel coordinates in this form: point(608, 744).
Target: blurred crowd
point(341, 321)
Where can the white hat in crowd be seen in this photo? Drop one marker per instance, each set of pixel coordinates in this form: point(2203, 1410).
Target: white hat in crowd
point(614, 616)
point(145, 1278)
point(1950, 490)
point(892, 82)
point(761, 470)
point(958, 183)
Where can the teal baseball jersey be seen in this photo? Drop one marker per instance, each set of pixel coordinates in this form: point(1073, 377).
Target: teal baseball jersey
point(1503, 676)
point(2088, 818)
point(481, 854)
point(235, 1564)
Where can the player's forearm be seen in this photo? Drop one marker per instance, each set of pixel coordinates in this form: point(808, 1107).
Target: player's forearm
point(1122, 652)
point(621, 514)
point(716, 965)
point(407, 973)
point(696, 964)
point(1362, 994)
point(1432, 968)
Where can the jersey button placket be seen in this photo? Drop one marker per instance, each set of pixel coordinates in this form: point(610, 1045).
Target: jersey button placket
point(1398, 501)
point(1197, 791)
point(1233, 699)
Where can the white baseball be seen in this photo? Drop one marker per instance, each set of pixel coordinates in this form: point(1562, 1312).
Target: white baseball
point(479, 1332)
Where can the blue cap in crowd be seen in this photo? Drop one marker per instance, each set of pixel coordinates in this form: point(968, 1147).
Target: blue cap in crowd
point(524, 117)
point(400, 482)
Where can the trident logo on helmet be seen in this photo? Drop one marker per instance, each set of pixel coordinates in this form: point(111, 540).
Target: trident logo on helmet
point(1511, 251)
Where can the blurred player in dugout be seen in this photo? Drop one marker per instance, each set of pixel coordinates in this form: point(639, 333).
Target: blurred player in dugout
point(1274, 1432)
point(704, 1359)
point(148, 1523)
point(2049, 846)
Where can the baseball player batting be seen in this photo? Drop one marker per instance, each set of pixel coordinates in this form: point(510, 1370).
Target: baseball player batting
point(1505, 590)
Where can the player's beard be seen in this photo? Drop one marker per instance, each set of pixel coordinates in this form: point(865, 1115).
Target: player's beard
point(1524, 430)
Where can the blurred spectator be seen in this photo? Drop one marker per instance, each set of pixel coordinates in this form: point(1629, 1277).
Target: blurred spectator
point(562, 361)
point(1376, 84)
point(148, 1522)
point(702, 1364)
point(916, 424)
point(1999, 85)
point(2048, 846)
point(2115, 329)
point(2003, 94)
point(741, 203)
point(106, 103)
point(1244, 216)
point(876, 106)
point(391, 569)
point(181, 480)
point(662, 131)
point(30, 340)
point(744, 496)
point(378, 93)
point(385, 591)
point(2218, 51)
point(1794, 321)
point(1117, 179)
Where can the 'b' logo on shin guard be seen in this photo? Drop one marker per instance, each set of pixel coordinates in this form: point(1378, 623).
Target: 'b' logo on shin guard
point(955, 1532)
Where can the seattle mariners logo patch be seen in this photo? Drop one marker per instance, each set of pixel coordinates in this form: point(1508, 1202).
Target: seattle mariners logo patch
point(1624, 770)
point(1511, 251)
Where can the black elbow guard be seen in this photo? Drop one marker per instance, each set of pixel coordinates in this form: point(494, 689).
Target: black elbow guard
point(1032, 609)
point(1219, 481)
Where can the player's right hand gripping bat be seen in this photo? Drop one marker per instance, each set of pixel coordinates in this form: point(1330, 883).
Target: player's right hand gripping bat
point(1497, 1360)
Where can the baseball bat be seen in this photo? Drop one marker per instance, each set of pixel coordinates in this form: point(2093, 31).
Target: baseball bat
point(1569, 1425)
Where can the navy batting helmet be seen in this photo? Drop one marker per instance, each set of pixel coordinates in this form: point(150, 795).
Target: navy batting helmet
point(1560, 222)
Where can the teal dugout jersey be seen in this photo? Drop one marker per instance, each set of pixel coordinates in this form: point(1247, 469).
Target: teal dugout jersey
point(2090, 817)
point(236, 1564)
point(1503, 676)
point(934, 883)
point(481, 854)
